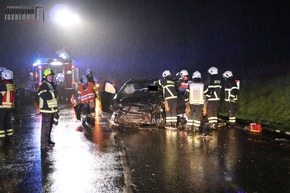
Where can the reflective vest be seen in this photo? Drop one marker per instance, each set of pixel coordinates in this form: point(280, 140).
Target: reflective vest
point(47, 98)
point(87, 94)
point(8, 96)
point(196, 95)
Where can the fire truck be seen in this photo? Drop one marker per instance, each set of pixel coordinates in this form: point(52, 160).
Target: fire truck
point(66, 76)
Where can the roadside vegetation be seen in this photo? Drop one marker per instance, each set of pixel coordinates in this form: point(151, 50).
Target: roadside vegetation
point(266, 102)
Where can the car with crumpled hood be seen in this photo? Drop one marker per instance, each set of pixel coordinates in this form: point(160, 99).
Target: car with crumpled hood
point(139, 102)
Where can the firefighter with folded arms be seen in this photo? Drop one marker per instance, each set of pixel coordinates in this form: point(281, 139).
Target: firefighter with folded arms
point(7, 95)
point(196, 101)
point(48, 107)
point(87, 98)
point(212, 92)
point(231, 96)
point(170, 97)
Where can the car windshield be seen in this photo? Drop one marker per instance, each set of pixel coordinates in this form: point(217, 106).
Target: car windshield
point(135, 87)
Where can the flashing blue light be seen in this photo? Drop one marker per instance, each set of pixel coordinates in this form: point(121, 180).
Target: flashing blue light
point(37, 63)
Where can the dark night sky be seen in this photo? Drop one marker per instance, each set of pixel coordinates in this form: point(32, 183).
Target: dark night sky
point(119, 39)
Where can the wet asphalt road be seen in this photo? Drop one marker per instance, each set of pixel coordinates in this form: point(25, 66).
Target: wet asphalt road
point(83, 160)
point(100, 159)
point(232, 161)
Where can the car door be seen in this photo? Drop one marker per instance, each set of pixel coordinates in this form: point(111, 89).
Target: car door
point(107, 94)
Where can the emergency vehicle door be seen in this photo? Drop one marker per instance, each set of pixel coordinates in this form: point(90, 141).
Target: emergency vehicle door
point(107, 94)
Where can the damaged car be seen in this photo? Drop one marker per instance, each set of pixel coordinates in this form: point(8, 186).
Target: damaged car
point(139, 102)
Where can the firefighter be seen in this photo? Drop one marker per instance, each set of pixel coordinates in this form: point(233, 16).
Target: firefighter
point(7, 89)
point(90, 76)
point(182, 98)
point(170, 98)
point(87, 98)
point(196, 101)
point(15, 116)
point(48, 107)
point(77, 105)
point(231, 97)
point(212, 93)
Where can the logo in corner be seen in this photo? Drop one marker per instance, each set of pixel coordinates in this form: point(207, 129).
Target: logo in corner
point(24, 13)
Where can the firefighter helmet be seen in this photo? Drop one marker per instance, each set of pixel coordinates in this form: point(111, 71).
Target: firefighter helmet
point(47, 72)
point(2, 68)
point(88, 72)
point(7, 74)
point(166, 73)
point(227, 74)
point(196, 74)
point(84, 79)
point(212, 70)
point(183, 73)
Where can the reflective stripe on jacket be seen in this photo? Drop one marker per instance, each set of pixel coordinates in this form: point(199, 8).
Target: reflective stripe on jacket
point(213, 89)
point(8, 95)
point(169, 89)
point(47, 98)
point(231, 90)
point(87, 94)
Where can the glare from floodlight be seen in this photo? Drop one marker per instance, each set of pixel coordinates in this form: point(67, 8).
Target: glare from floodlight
point(64, 16)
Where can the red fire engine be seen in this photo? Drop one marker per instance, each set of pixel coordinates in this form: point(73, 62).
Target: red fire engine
point(66, 75)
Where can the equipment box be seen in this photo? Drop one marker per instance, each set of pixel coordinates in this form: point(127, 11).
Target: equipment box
point(255, 127)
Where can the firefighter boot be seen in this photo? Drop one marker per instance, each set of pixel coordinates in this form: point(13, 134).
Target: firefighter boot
point(78, 111)
point(179, 122)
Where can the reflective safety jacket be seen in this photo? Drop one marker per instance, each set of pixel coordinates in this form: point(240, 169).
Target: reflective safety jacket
point(169, 89)
point(8, 91)
point(213, 88)
point(47, 97)
point(231, 90)
point(196, 96)
point(87, 92)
